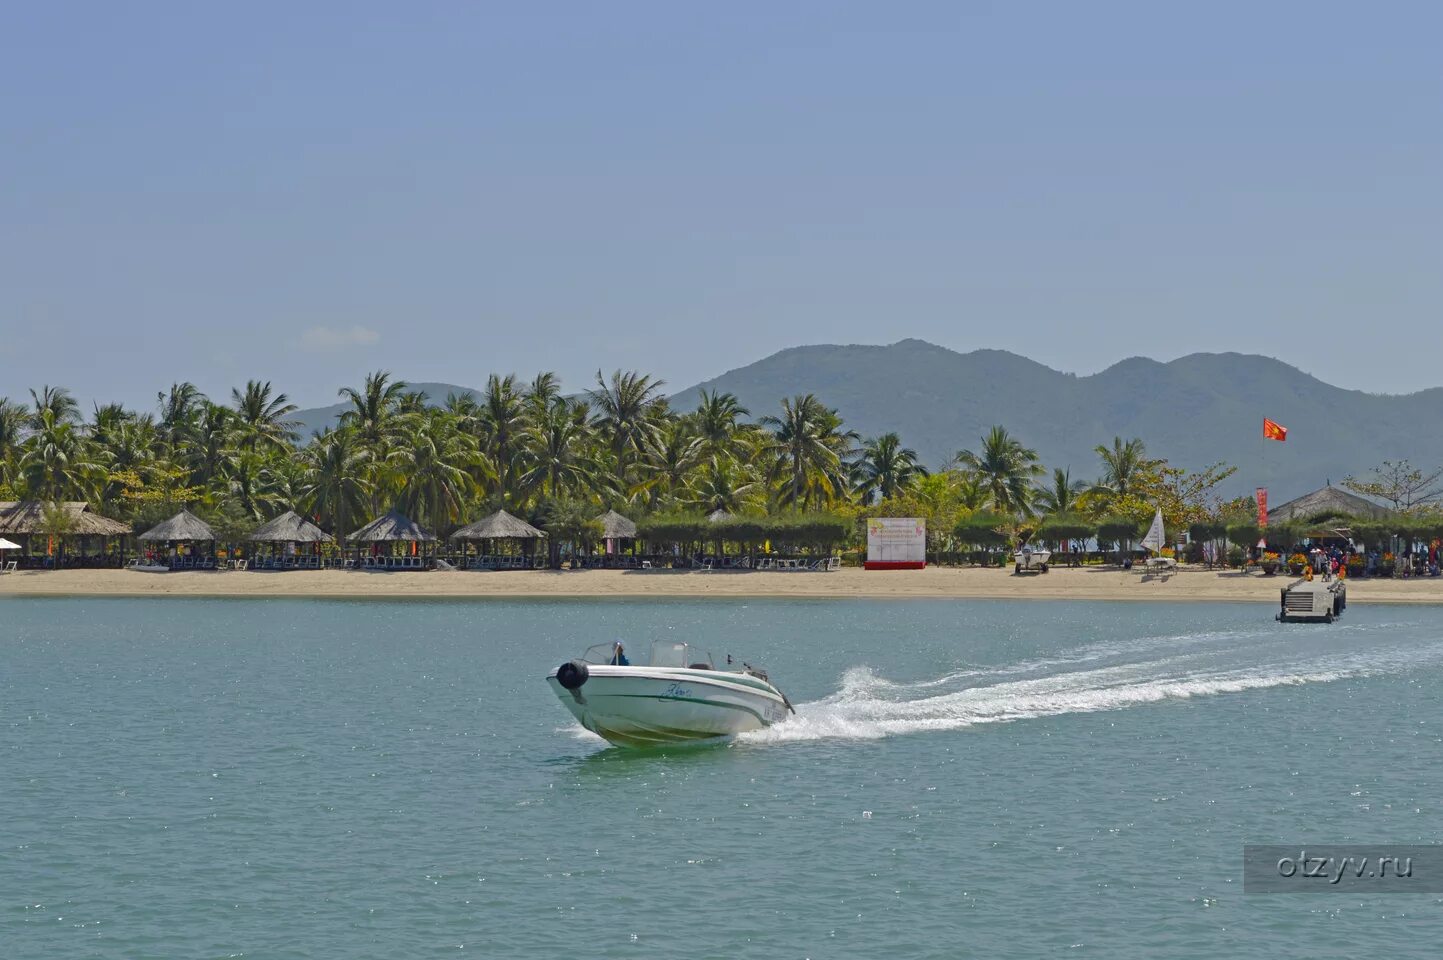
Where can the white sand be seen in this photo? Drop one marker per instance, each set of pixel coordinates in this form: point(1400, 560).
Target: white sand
point(1058, 584)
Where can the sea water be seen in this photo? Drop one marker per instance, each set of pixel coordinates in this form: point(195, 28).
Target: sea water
point(317, 779)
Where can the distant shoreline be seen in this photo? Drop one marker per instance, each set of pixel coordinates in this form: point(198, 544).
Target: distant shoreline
point(932, 583)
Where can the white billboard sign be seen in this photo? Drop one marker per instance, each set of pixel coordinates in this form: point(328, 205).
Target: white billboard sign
point(896, 543)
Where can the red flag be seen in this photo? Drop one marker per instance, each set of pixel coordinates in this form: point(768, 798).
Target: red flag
point(1274, 431)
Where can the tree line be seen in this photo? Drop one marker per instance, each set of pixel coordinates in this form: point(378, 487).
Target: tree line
point(560, 459)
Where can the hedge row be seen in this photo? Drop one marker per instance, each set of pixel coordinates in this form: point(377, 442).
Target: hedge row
point(801, 530)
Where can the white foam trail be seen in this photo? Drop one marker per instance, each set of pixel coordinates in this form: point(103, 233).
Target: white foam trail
point(867, 707)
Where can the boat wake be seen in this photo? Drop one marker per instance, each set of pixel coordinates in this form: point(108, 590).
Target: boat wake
point(1111, 676)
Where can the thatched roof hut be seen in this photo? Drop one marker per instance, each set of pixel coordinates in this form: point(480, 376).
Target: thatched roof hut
point(392, 527)
point(183, 526)
point(290, 527)
point(616, 527)
point(27, 518)
point(1327, 501)
point(499, 526)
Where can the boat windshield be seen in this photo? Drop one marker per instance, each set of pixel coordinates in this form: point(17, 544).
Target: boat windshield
point(664, 653)
point(600, 652)
point(673, 653)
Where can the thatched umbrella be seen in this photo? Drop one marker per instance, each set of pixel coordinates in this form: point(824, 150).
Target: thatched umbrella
point(498, 526)
point(394, 527)
point(184, 527)
point(501, 526)
point(290, 527)
point(616, 527)
point(28, 518)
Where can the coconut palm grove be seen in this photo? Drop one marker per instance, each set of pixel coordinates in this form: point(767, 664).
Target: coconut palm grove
point(719, 478)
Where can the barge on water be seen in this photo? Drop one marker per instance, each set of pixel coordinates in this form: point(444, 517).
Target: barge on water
point(1314, 601)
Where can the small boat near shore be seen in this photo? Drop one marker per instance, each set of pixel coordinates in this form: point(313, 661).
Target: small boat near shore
point(678, 697)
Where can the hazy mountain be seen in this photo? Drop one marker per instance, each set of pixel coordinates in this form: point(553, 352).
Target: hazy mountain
point(1195, 410)
point(314, 419)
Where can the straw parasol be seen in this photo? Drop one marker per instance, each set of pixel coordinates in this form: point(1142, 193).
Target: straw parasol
point(1328, 500)
point(498, 526)
point(27, 518)
point(392, 527)
point(616, 527)
point(183, 526)
point(290, 527)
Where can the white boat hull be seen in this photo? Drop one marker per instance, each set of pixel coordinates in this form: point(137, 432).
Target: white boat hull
point(646, 706)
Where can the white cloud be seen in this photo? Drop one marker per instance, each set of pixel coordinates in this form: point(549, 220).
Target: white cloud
point(338, 338)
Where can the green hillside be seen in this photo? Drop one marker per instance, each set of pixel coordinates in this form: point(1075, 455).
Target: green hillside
point(1194, 411)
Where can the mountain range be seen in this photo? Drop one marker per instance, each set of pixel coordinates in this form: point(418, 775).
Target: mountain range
point(1195, 411)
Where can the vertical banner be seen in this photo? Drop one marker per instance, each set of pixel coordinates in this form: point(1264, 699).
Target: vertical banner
point(1263, 508)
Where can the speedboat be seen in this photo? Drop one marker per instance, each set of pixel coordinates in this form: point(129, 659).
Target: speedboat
point(678, 697)
point(1031, 560)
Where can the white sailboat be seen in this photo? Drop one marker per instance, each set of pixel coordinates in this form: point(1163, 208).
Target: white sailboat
point(1156, 539)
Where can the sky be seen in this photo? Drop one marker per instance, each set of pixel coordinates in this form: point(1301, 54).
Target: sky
point(303, 193)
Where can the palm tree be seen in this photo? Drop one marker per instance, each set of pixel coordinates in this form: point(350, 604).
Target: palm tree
point(107, 420)
point(261, 418)
point(129, 449)
point(718, 423)
point(809, 451)
point(334, 486)
point(630, 409)
point(213, 435)
point(373, 409)
point(180, 412)
point(13, 420)
point(732, 487)
point(58, 462)
point(435, 465)
point(556, 461)
point(885, 468)
point(1123, 465)
point(1061, 495)
point(502, 424)
point(253, 481)
point(56, 400)
point(541, 391)
point(1005, 469)
point(671, 461)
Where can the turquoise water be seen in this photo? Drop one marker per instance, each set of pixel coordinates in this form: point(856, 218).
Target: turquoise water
point(219, 778)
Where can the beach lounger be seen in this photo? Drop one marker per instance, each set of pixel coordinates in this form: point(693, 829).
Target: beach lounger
point(9, 566)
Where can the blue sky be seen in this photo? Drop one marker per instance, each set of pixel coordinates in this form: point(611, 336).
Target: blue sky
point(304, 192)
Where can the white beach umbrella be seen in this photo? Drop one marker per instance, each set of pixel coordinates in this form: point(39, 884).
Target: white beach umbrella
point(7, 545)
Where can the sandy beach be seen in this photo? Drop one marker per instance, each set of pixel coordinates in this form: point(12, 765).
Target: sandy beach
point(1058, 584)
